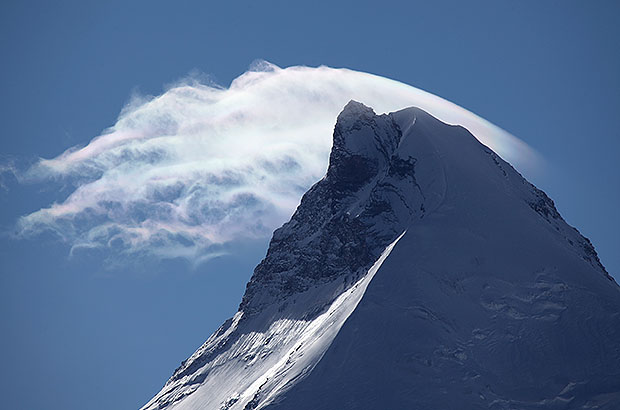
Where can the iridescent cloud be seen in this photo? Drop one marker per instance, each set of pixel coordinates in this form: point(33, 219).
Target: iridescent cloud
point(201, 166)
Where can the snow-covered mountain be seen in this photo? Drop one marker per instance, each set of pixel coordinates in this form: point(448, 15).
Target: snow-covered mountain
point(422, 272)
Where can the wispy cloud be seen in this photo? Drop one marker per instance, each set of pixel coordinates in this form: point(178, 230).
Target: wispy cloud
point(8, 169)
point(200, 166)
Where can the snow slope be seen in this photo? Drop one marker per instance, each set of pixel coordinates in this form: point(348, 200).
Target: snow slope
point(421, 272)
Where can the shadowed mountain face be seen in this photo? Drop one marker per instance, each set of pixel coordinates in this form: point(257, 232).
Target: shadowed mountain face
point(421, 272)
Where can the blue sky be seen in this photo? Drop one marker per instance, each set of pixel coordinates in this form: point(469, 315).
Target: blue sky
point(96, 331)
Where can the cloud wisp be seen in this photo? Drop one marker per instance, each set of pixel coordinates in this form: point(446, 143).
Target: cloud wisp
point(200, 166)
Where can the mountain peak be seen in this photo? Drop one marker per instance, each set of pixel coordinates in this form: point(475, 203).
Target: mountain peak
point(422, 271)
point(355, 109)
point(363, 145)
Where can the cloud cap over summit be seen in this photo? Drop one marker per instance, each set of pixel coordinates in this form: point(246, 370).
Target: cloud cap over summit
point(200, 166)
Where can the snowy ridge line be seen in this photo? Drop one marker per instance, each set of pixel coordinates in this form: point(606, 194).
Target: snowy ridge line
point(265, 364)
point(336, 315)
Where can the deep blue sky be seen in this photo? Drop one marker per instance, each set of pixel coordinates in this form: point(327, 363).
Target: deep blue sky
point(78, 335)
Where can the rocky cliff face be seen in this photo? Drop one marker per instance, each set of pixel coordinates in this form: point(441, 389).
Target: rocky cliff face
point(347, 219)
point(422, 271)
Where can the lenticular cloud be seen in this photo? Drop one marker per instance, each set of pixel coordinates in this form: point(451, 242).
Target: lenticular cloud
point(200, 166)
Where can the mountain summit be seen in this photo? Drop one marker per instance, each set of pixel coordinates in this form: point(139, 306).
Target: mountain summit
point(422, 272)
